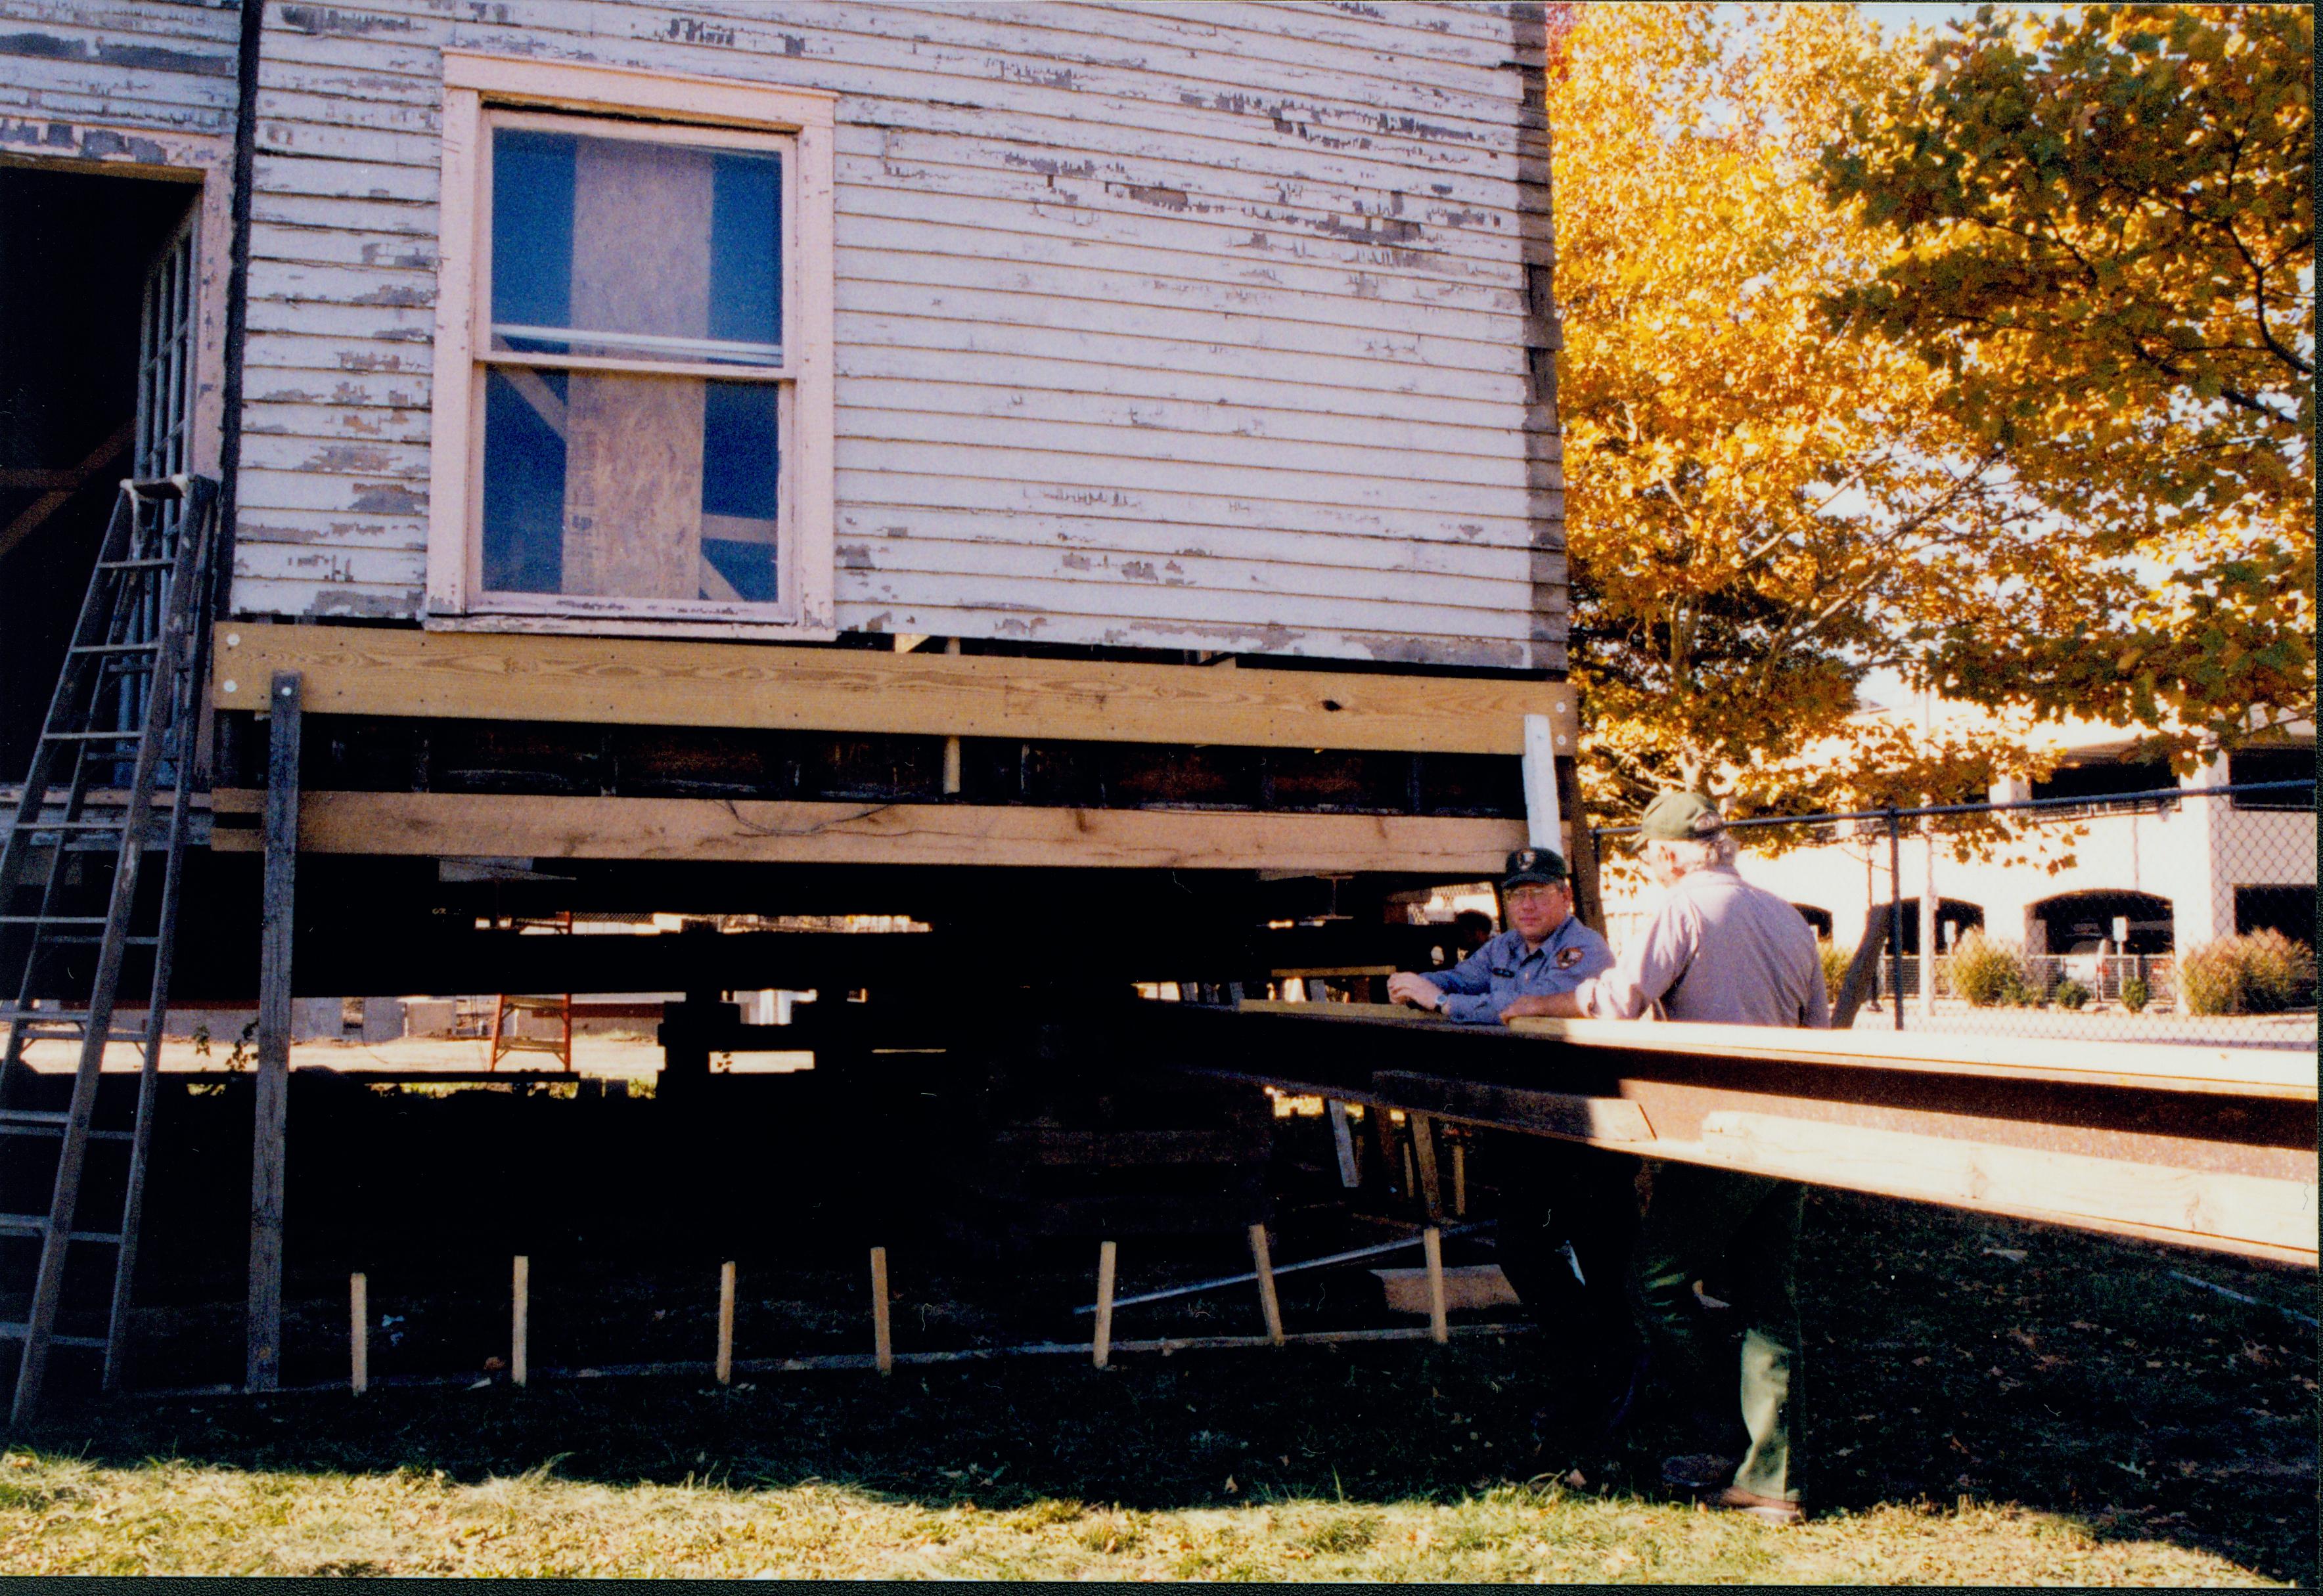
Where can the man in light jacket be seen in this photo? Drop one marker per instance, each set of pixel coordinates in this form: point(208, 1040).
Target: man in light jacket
point(1721, 950)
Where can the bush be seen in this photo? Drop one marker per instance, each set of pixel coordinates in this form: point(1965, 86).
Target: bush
point(2135, 995)
point(1986, 973)
point(1836, 960)
point(2264, 973)
point(2277, 972)
point(2069, 994)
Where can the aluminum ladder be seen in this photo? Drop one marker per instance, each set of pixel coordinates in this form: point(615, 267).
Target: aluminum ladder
point(126, 719)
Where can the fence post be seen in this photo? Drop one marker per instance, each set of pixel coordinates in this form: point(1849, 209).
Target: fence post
point(1895, 913)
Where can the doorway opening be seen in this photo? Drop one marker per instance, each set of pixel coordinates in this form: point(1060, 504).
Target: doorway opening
point(97, 310)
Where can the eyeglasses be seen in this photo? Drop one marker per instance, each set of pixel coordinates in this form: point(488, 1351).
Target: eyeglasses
point(1529, 894)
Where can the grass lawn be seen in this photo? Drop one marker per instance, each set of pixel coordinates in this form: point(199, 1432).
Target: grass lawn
point(1985, 1403)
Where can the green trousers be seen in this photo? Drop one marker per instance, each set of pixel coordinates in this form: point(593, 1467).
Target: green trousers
point(1744, 1229)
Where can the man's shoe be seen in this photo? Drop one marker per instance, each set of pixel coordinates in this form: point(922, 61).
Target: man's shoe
point(1767, 1509)
point(1697, 1471)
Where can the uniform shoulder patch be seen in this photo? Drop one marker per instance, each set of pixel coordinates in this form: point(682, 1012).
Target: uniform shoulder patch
point(1566, 957)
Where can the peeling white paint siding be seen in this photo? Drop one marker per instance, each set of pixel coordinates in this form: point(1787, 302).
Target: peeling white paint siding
point(1195, 326)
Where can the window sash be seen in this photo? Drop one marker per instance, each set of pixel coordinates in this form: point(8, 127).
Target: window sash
point(481, 328)
point(784, 607)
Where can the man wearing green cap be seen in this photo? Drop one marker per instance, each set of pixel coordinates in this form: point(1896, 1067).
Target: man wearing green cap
point(1721, 950)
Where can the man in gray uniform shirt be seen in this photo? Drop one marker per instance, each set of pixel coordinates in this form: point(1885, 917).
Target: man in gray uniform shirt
point(1721, 950)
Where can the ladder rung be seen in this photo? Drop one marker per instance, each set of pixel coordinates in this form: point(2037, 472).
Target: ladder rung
point(126, 941)
point(135, 564)
point(35, 1224)
point(113, 648)
point(93, 737)
point(52, 920)
point(19, 1332)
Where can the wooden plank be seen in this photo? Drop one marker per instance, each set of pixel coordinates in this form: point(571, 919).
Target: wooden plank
point(1423, 1153)
point(1614, 1120)
point(883, 1339)
point(1101, 1343)
point(520, 1321)
point(459, 825)
point(270, 1120)
point(358, 1333)
point(1431, 1245)
point(2262, 1213)
point(372, 670)
point(725, 1366)
point(2251, 1072)
point(1269, 1306)
point(1342, 1142)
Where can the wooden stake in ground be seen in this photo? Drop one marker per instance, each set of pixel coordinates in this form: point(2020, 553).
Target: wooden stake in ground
point(358, 1334)
point(1423, 1149)
point(1101, 1345)
point(725, 1323)
point(519, 1318)
point(1268, 1303)
point(1343, 1138)
point(1431, 1243)
point(883, 1342)
point(1460, 1179)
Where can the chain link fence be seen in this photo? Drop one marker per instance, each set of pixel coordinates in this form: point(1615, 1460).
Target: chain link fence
point(2178, 914)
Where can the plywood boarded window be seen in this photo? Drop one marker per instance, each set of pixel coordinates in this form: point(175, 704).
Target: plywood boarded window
point(646, 326)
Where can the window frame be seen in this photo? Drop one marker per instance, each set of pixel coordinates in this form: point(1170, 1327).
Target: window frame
point(481, 92)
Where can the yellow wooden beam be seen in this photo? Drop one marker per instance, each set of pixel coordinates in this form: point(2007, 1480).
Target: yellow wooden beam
point(644, 682)
point(456, 825)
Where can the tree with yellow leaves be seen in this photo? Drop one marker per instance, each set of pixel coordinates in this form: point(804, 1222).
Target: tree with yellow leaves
point(2099, 227)
point(1759, 514)
point(1762, 511)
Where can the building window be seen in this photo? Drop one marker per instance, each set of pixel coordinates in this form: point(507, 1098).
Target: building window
point(2245, 766)
point(640, 308)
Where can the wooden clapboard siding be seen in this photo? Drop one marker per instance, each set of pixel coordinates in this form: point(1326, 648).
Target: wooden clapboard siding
point(1164, 324)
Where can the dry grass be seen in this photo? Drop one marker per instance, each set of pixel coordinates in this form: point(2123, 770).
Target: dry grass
point(63, 1516)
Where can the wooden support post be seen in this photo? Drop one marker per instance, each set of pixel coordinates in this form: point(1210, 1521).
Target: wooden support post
point(1460, 1179)
point(1432, 1244)
point(951, 744)
point(358, 1334)
point(1101, 1344)
point(1383, 1143)
point(1544, 817)
point(1343, 1138)
point(1268, 1303)
point(263, 1361)
point(725, 1323)
point(519, 1324)
point(1423, 1148)
point(883, 1342)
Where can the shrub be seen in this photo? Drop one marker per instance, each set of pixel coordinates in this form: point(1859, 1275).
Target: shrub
point(1984, 972)
point(2069, 994)
point(2135, 995)
point(2277, 972)
point(2264, 973)
point(1836, 960)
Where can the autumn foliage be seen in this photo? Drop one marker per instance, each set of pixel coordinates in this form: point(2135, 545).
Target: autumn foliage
point(1783, 479)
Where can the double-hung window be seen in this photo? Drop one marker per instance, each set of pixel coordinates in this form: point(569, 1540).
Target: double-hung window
point(632, 400)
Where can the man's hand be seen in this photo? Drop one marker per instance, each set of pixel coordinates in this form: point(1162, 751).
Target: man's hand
point(1558, 1005)
point(1403, 986)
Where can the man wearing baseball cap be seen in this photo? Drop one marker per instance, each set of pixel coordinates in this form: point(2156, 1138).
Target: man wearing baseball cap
point(1568, 1214)
point(1721, 950)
